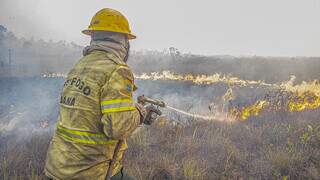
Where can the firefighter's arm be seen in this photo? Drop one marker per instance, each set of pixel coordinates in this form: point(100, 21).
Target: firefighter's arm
point(120, 116)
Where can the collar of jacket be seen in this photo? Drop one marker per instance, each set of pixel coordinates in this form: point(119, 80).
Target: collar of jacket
point(112, 47)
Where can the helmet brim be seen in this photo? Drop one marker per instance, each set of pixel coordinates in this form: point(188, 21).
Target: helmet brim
point(89, 33)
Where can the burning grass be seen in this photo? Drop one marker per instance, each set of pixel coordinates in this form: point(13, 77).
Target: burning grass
point(273, 143)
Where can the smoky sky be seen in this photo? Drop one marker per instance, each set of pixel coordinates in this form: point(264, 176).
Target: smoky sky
point(209, 27)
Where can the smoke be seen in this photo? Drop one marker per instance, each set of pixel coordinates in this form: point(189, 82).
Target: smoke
point(21, 57)
point(27, 104)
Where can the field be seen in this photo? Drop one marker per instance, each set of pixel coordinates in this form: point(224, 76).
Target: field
point(271, 143)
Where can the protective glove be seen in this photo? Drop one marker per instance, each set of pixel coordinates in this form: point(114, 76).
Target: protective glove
point(142, 111)
point(148, 114)
point(152, 114)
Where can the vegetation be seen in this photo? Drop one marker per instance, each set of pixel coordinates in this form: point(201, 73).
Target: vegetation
point(269, 147)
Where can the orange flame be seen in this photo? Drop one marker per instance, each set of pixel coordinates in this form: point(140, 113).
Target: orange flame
point(294, 103)
point(200, 79)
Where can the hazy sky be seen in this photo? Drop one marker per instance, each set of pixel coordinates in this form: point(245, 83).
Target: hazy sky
point(235, 27)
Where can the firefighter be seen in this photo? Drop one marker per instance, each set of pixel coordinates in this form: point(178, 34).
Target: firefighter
point(97, 111)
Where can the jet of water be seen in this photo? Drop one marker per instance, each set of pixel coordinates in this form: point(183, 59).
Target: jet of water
point(213, 117)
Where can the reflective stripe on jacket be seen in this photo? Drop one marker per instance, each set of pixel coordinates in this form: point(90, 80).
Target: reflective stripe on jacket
point(96, 111)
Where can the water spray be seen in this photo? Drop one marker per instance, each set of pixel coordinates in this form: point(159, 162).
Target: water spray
point(143, 100)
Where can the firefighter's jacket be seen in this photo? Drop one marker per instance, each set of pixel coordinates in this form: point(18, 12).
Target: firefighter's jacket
point(96, 110)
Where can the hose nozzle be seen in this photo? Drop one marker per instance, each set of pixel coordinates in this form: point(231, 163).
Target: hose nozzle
point(143, 100)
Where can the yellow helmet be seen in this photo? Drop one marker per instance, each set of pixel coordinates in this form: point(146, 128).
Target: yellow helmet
point(109, 20)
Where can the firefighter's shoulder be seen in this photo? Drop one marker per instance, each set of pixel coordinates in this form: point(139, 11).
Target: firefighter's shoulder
point(123, 77)
point(124, 72)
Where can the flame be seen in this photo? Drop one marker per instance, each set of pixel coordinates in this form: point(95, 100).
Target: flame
point(201, 79)
point(295, 102)
point(229, 95)
point(304, 96)
point(304, 102)
point(303, 87)
point(54, 75)
point(248, 111)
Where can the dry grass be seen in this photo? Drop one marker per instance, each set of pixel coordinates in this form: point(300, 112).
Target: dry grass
point(269, 149)
point(266, 147)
